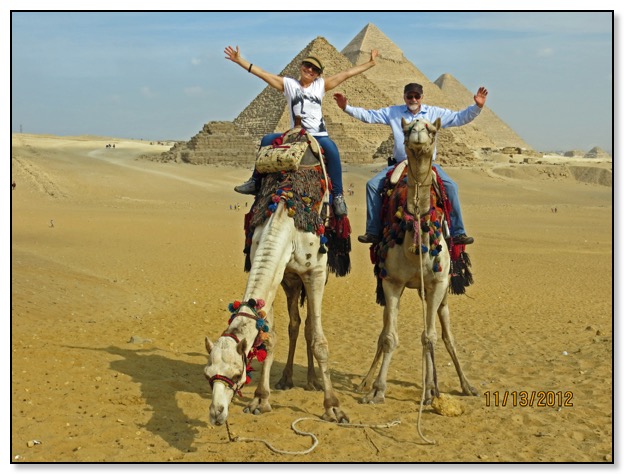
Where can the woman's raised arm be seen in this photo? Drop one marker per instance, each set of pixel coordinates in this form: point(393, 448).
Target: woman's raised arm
point(337, 79)
point(273, 80)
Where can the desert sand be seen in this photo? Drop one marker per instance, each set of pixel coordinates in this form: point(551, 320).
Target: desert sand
point(120, 267)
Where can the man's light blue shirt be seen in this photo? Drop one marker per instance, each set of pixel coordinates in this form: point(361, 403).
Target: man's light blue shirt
point(392, 116)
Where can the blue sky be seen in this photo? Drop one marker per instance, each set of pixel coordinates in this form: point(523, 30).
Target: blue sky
point(163, 75)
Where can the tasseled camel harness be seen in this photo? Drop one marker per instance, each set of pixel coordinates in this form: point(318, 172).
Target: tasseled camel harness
point(258, 350)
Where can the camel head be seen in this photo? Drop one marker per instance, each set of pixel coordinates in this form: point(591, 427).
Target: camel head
point(420, 134)
point(226, 372)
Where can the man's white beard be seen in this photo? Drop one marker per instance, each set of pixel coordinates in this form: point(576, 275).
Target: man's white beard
point(413, 108)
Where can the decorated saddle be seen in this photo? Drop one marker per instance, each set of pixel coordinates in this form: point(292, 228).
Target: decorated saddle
point(433, 226)
point(303, 192)
point(288, 151)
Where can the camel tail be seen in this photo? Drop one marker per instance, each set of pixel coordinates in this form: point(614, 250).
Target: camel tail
point(302, 296)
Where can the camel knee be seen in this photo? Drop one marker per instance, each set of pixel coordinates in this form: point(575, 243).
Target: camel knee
point(320, 350)
point(427, 339)
point(388, 342)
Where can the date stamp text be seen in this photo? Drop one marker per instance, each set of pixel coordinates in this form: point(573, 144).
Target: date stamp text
point(529, 398)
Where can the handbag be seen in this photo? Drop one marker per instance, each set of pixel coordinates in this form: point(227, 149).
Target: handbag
point(285, 153)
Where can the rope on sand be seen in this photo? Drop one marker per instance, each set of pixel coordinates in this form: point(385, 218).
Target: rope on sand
point(305, 433)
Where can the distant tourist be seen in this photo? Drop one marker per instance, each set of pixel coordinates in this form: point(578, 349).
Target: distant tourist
point(305, 98)
point(412, 109)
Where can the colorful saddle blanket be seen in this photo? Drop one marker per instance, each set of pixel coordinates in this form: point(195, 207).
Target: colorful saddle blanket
point(302, 191)
point(396, 222)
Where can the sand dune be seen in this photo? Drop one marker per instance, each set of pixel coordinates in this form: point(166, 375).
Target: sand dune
point(120, 266)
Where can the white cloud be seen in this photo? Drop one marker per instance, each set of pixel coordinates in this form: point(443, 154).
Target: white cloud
point(195, 61)
point(147, 92)
point(545, 52)
point(194, 91)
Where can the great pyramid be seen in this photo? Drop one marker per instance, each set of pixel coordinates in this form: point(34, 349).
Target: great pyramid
point(235, 142)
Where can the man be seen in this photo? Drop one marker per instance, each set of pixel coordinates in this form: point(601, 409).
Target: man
point(413, 109)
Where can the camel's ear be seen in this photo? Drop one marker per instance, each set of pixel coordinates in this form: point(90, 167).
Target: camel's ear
point(438, 123)
point(209, 345)
point(404, 123)
point(241, 348)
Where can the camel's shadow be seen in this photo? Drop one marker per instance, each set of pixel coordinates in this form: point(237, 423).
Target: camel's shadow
point(162, 378)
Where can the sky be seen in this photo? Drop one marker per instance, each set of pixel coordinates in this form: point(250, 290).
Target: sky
point(163, 75)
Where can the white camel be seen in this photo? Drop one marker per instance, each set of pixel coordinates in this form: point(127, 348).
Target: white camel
point(402, 267)
point(280, 253)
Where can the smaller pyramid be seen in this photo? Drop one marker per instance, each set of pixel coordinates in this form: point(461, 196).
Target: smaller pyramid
point(215, 142)
point(597, 152)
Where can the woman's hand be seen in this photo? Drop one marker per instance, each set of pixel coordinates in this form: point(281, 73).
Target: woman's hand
point(374, 54)
point(232, 54)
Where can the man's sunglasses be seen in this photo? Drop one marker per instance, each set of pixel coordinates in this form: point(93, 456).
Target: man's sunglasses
point(416, 96)
point(311, 66)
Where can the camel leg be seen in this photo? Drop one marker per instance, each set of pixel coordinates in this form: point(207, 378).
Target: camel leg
point(366, 384)
point(292, 288)
point(386, 344)
point(433, 297)
point(315, 285)
point(313, 381)
point(260, 402)
point(449, 342)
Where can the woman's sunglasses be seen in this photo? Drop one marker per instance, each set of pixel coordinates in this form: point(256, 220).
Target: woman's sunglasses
point(311, 66)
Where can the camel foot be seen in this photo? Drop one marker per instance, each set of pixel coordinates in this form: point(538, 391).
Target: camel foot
point(285, 383)
point(336, 415)
point(313, 386)
point(430, 395)
point(257, 407)
point(374, 397)
point(470, 391)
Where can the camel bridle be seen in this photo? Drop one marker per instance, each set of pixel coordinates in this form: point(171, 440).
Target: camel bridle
point(235, 386)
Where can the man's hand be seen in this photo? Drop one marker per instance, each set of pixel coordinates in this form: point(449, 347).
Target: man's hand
point(341, 100)
point(481, 97)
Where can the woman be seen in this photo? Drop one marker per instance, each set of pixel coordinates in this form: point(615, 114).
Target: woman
point(305, 98)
